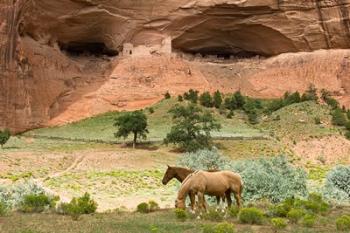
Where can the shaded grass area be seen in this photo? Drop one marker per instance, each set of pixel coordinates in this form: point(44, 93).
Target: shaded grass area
point(162, 221)
point(101, 127)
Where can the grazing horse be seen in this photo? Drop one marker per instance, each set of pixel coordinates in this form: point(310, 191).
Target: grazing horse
point(181, 174)
point(212, 183)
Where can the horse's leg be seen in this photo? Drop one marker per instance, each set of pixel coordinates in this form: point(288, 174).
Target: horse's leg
point(228, 197)
point(193, 201)
point(201, 200)
point(218, 203)
point(238, 199)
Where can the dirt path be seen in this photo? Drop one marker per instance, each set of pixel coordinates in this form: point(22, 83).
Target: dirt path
point(40, 181)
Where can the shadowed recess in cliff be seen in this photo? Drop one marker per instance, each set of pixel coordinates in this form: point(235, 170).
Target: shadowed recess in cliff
point(97, 49)
point(239, 40)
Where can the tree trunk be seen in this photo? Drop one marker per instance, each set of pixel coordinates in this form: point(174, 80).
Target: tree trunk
point(134, 142)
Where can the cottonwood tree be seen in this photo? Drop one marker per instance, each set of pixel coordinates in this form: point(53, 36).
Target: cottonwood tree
point(4, 137)
point(192, 127)
point(132, 123)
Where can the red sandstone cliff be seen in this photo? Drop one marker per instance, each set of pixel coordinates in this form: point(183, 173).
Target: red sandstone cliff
point(59, 59)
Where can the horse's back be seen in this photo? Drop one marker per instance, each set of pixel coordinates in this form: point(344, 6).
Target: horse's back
point(228, 176)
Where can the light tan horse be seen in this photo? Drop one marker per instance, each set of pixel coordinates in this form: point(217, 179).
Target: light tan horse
point(220, 183)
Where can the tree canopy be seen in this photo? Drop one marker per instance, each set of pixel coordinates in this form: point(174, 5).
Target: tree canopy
point(192, 127)
point(132, 122)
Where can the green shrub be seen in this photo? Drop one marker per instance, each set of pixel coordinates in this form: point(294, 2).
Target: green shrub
point(338, 117)
point(213, 215)
point(153, 206)
point(343, 223)
point(230, 103)
point(151, 110)
point(217, 99)
point(295, 214)
point(223, 227)
point(167, 95)
point(309, 220)
point(35, 203)
point(143, 207)
point(347, 135)
point(230, 115)
point(310, 94)
point(251, 216)
point(233, 211)
point(317, 120)
point(253, 118)
point(191, 95)
point(279, 223)
point(3, 208)
point(79, 206)
point(347, 125)
point(206, 100)
point(333, 103)
point(240, 100)
point(337, 185)
point(280, 210)
point(180, 98)
point(314, 204)
point(291, 98)
point(4, 137)
point(181, 214)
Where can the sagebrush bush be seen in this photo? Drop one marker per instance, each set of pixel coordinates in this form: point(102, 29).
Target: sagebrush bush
point(79, 206)
point(272, 178)
point(343, 223)
point(251, 216)
point(279, 223)
point(181, 214)
point(36, 203)
point(12, 196)
point(143, 207)
point(337, 185)
point(295, 214)
point(213, 215)
point(309, 220)
point(223, 227)
point(204, 160)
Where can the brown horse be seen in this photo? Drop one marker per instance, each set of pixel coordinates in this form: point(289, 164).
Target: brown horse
point(181, 174)
point(212, 183)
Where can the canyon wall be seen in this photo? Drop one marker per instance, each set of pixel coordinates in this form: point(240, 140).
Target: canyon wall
point(61, 61)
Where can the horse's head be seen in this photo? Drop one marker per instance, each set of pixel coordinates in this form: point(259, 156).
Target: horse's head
point(169, 174)
point(180, 204)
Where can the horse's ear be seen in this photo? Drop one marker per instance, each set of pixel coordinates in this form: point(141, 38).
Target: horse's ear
point(168, 166)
